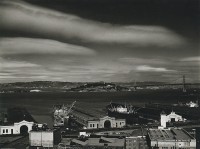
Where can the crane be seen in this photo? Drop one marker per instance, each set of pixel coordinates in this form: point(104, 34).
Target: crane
point(61, 113)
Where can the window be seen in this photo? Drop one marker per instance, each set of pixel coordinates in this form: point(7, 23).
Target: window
point(3, 130)
point(6, 130)
point(90, 125)
point(93, 125)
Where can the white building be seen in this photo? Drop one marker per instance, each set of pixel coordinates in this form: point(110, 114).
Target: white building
point(44, 138)
point(172, 117)
point(17, 128)
point(41, 138)
point(106, 122)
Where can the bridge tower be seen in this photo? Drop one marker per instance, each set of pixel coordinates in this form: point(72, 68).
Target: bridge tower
point(184, 88)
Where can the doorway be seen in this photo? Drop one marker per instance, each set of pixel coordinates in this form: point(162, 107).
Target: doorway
point(23, 129)
point(107, 124)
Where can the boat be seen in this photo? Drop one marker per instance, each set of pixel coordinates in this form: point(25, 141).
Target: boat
point(189, 110)
point(192, 104)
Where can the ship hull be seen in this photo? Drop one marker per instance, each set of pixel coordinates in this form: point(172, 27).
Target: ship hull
point(130, 118)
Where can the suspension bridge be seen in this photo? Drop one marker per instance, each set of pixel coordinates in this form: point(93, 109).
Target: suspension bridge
point(182, 82)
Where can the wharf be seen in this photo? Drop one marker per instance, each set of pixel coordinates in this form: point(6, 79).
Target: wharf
point(82, 116)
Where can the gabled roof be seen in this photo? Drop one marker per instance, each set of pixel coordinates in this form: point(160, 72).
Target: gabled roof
point(23, 122)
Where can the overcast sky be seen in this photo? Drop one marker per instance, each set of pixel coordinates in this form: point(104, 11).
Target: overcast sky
point(99, 40)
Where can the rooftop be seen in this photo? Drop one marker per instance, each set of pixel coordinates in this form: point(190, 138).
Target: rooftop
point(169, 134)
point(98, 141)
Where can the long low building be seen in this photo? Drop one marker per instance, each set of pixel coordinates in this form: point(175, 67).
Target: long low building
point(106, 122)
point(100, 143)
point(171, 138)
point(94, 122)
point(17, 128)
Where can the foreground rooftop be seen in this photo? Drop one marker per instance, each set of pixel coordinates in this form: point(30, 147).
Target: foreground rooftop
point(169, 134)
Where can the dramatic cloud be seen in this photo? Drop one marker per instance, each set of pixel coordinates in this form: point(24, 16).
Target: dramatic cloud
point(134, 60)
point(191, 59)
point(15, 64)
point(38, 43)
point(18, 16)
point(151, 69)
point(40, 46)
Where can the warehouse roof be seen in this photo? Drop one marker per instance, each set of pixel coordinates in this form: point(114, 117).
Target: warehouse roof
point(99, 142)
point(169, 134)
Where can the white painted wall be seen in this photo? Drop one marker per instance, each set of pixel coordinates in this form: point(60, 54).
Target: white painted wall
point(114, 123)
point(41, 138)
point(173, 143)
point(167, 118)
point(5, 130)
point(163, 120)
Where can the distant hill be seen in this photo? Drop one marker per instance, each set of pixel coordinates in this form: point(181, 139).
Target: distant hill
point(47, 84)
point(99, 87)
point(55, 86)
point(40, 85)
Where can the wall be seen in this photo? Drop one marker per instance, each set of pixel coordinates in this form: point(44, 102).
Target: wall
point(111, 119)
point(41, 138)
point(173, 143)
point(163, 120)
point(16, 127)
point(93, 124)
point(174, 115)
point(120, 123)
point(100, 123)
point(7, 130)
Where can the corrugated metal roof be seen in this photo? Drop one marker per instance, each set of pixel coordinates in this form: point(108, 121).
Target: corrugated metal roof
point(169, 134)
